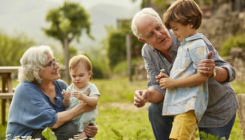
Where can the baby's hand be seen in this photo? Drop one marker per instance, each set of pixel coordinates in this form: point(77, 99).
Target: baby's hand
point(66, 95)
point(78, 95)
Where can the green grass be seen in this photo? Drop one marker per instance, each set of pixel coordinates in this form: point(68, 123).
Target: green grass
point(116, 111)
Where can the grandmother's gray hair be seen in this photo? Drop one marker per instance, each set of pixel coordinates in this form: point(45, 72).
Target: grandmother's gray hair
point(32, 61)
point(144, 11)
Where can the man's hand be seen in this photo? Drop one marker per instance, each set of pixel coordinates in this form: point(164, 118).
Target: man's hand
point(207, 66)
point(139, 101)
point(90, 130)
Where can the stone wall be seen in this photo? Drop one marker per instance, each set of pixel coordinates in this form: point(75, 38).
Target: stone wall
point(237, 60)
point(140, 72)
point(218, 25)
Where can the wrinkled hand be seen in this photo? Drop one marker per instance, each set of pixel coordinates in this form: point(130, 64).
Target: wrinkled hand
point(167, 83)
point(66, 95)
point(161, 75)
point(90, 130)
point(139, 101)
point(207, 66)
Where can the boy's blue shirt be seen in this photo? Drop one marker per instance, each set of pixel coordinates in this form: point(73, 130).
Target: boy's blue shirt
point(182, 99)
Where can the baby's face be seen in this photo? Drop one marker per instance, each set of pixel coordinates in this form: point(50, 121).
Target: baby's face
point(80, 76)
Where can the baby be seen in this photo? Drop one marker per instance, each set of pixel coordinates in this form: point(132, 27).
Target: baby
point(80, 69)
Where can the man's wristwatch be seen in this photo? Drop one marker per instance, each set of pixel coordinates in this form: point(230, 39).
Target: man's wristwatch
point(214, 73)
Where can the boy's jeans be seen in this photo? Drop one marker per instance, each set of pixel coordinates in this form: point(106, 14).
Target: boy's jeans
point(162, 125)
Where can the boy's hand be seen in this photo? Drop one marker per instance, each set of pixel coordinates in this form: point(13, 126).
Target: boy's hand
point(166, 83)
point(66, 95)
point(160, 76)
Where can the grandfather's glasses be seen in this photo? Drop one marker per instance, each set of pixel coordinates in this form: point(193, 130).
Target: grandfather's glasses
point(52, 64)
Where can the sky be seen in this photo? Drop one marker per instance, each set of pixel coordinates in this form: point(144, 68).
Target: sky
point(28, 16)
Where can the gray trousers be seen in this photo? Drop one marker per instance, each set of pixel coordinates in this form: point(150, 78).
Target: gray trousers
point(64, 132)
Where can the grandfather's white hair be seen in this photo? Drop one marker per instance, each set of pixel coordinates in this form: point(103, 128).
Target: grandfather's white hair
point(144, 11)
point(33, 60)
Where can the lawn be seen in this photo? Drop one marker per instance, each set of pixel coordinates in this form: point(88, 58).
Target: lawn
point(118, 117)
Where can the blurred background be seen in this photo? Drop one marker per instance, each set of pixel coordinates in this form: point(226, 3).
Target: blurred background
point(100, 29)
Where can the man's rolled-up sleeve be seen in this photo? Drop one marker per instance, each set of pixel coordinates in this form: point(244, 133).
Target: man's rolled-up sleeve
point(152, 71)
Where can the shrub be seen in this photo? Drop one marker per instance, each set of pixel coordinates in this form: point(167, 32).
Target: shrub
point(232, 42)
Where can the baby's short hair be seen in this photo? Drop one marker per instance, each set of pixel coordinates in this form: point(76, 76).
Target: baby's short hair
point(77, 60)
point(184, 12)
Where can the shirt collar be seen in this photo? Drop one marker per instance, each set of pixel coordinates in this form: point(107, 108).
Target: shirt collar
point(191, 38)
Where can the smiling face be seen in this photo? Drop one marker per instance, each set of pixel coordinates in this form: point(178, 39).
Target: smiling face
point(182, 31)
point(80, 76)
point(154, 33)
point(50, 73)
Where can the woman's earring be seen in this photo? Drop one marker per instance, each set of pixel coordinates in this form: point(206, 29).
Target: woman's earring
point(39, 81)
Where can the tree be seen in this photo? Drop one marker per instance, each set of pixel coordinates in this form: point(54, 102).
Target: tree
point(67, 23)
point(12, 49)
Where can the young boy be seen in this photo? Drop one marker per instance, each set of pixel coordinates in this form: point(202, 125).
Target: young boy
point(186, 96)
point(81, 74)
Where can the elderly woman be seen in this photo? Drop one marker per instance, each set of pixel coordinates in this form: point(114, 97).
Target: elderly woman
point(37, 102)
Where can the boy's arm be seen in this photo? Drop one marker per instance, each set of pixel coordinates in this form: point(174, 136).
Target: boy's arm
point(192, 80)
point(90, 100)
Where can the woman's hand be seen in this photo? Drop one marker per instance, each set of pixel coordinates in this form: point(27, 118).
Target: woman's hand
point(90, 130)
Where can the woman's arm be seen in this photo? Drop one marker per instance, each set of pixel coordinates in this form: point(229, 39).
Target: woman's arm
point(192, 80)
point(68, 115)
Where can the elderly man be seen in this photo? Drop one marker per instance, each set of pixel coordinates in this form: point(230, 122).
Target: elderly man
point(159, 52)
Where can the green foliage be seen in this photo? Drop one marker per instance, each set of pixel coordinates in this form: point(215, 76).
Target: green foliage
point(67, 22)
point(232, 42)
point(239, 87)
point(49, 134)
point(100, 66)
point(137, 136)
point(12, 48)
point(122, 67)
point(119, 136)
point(117, 46)
point(206, 136)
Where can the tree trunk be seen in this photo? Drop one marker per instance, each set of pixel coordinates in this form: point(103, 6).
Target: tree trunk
point(128, 46)
point(66, 52)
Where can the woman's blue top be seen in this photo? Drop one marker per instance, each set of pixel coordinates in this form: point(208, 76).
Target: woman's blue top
point(32, 109)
